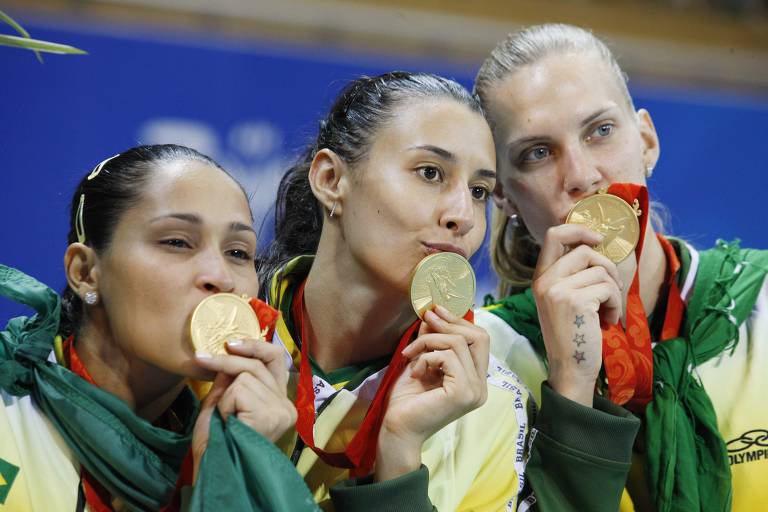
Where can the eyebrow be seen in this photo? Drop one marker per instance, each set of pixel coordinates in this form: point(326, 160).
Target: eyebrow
point(486, 173)
point(443, 153)
point(196, 220)
point(595, 115)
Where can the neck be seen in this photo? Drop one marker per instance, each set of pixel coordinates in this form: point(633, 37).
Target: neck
point(350, 316)
point(148, 390)
point(653, 268)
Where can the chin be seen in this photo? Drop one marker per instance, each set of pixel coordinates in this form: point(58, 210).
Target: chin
point(190, 370)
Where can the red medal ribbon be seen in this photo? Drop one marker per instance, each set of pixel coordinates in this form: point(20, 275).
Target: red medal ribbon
point(360, 454)
point(627, 353)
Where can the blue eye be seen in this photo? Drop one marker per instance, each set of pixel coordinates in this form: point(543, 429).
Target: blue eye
point(430, 173)
point(602, 131)
point(535, 154)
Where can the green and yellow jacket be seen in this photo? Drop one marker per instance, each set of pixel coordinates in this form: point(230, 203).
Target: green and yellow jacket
point(703, 444)
point(502, 456)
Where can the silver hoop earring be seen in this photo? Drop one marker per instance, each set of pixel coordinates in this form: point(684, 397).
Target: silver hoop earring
point(91, 298)
point(333, 209)
point(514, 220)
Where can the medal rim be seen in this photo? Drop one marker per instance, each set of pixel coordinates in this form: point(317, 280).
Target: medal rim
point(425, 261)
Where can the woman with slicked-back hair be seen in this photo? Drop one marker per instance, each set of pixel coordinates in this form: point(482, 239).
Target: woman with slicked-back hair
point(96, 413)
point(413, 410)
point(675, 335)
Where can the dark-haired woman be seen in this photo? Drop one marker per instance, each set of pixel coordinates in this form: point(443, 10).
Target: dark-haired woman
point(402, 167)
point(95, 410)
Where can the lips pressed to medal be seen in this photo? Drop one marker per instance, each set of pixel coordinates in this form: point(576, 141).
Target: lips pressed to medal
point(613, 218)
point(222, 317)
point(445, 279)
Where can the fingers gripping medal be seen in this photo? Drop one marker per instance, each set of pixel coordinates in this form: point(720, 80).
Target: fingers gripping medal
point(613, 218)
point(445, 279)
point(222, 317)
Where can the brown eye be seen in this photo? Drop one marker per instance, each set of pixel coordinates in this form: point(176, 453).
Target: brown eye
point(480, 193)
point(430, 173)
point(239, 254)
point(176, 242)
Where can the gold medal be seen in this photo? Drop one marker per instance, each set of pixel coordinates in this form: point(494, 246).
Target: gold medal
point(613, 218)
point(445, 279)
point(222, 317)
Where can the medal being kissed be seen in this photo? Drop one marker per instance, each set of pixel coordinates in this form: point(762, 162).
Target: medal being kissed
point(445, 279)
point(613, 218)
point(222, 317)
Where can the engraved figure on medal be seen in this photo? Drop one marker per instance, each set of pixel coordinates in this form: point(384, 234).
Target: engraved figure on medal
point(222, 317)
point(446, 279)
point(612, 217)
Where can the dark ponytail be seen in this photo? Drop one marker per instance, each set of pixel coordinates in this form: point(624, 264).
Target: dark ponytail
point(104, 195)
point(359, 111)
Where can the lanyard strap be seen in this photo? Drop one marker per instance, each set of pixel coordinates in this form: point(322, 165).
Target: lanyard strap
point(360, 454)
point(627, 353)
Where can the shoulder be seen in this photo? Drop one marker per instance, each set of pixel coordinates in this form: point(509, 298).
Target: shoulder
point(514, 351)
point(506, 342)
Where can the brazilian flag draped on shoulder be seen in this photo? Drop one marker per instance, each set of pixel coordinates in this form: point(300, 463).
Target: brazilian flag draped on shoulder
point(687, 461)
point(134, 460)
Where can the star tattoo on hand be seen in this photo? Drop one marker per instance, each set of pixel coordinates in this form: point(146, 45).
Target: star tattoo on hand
point(579, 320)
point(579, 340)
point(578, 356)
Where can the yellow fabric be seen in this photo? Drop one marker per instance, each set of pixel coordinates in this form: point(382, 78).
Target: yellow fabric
point(736, 383)
point(471, 461)
point(48, 476)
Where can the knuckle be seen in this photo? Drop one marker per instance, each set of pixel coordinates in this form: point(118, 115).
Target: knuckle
point(551, 234)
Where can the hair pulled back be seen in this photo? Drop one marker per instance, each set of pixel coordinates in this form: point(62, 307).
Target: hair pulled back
point(103, 196)
point(358, 113)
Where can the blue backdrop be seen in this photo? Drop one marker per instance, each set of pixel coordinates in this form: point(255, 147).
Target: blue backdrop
point(252, 106)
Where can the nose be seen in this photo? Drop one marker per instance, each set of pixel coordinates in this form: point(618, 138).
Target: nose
point(580, 176)
point(458, 213)
point(214, 275)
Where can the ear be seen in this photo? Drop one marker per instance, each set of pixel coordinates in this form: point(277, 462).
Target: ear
point(502, 202)
point(328, 176)
point(80, 266)
point(651, 149)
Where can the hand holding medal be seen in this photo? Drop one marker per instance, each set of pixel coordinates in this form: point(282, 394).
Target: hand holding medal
point(446, 376)
point(578, 294)
point(251, 378)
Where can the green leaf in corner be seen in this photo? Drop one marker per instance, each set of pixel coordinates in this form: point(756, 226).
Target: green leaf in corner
point(37, 45)
point(18, 28)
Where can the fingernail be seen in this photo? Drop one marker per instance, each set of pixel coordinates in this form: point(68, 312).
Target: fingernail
point(440, 309)
point(432, 315)
point(203, 355)
point(235, 343)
